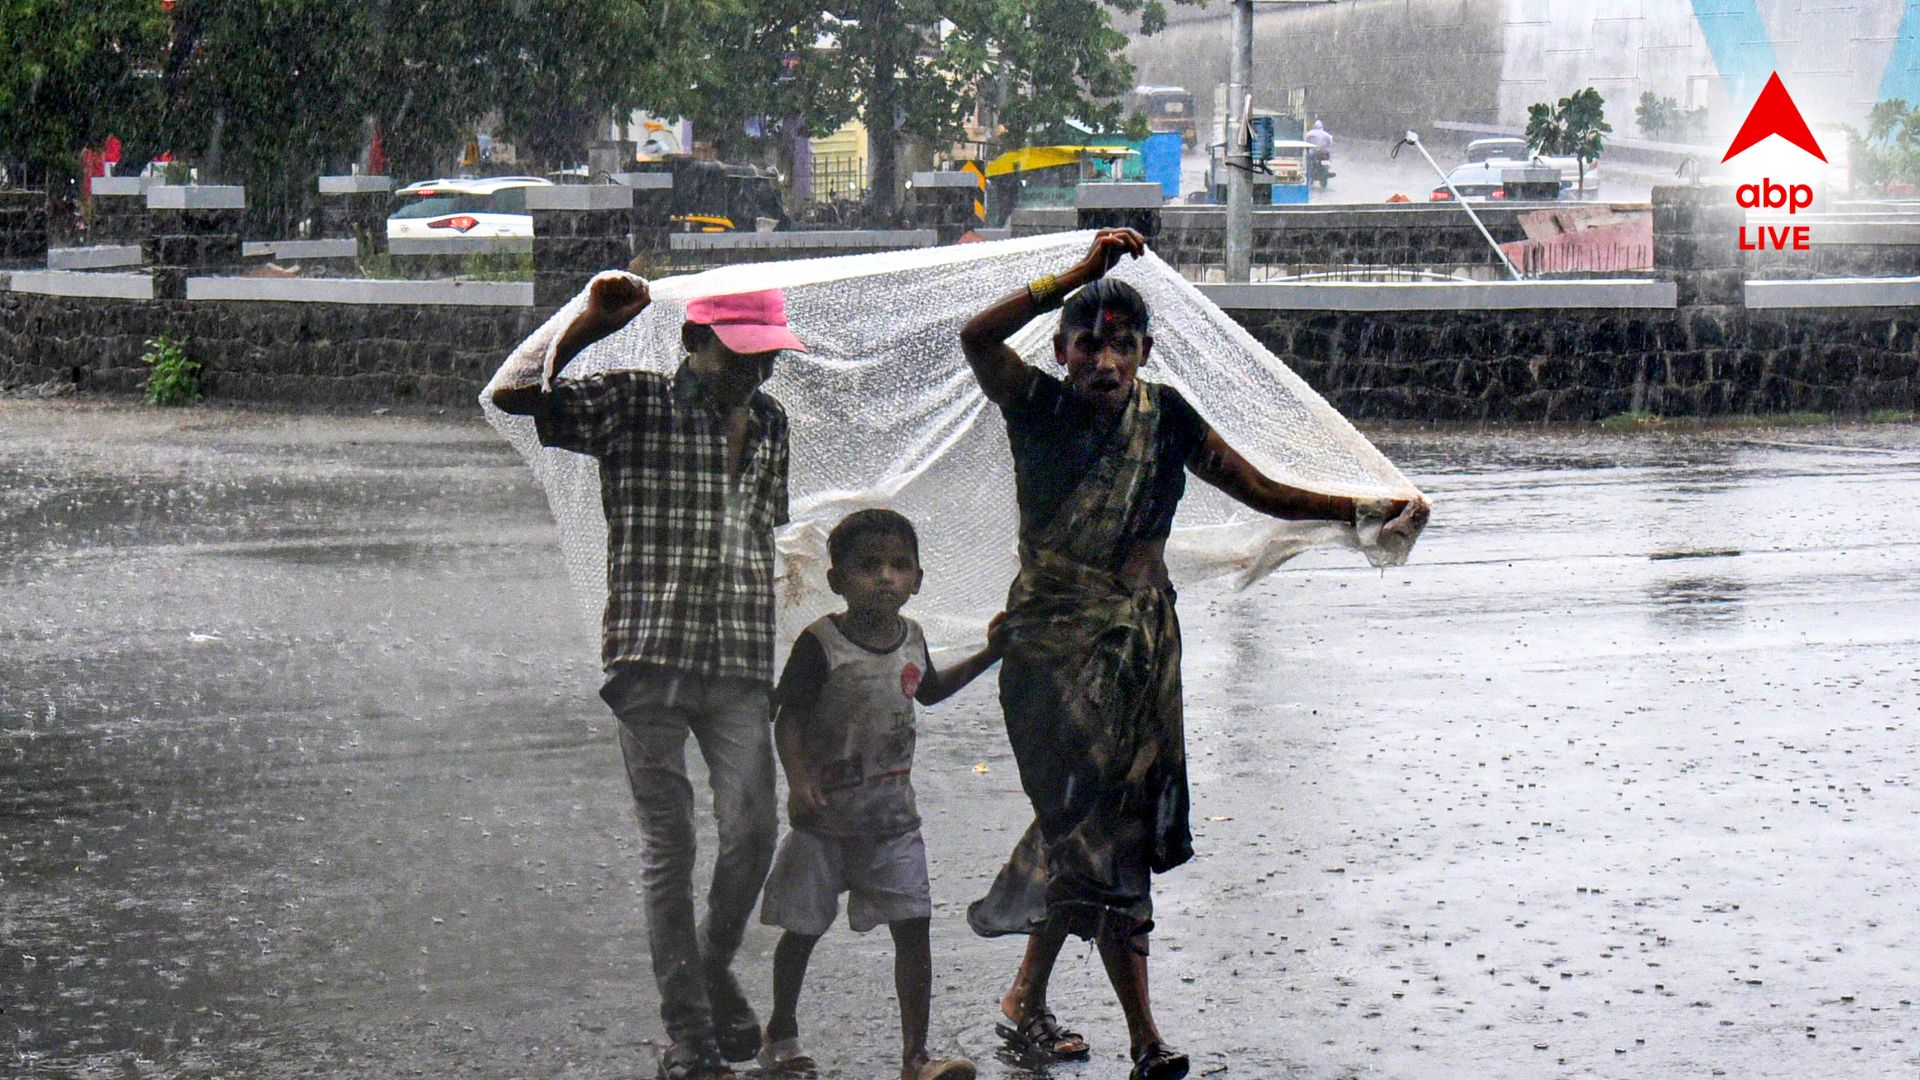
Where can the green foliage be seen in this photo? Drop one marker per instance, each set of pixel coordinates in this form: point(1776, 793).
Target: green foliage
point(175, 378)
point(1575, 128)
point(1887, 158)
point(1662, 117)
point(271, 93)
point(74, 74)
point(1036, 64)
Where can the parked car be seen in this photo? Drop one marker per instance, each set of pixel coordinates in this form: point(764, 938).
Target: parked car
point(1504, 147)
point(1499, 179)
point(493, 206)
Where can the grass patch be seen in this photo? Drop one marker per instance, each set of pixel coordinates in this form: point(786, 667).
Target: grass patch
point(477, 266)
point(1645, 421)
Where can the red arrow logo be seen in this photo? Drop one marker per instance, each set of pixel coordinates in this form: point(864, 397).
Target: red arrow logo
point(1774, 113)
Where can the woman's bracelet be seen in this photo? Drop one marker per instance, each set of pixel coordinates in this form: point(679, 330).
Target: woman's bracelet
point(1045, 292)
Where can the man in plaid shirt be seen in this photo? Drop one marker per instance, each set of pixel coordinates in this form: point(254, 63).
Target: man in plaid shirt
point(693, 476)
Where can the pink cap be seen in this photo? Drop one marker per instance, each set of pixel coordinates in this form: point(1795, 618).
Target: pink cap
point(753, 322)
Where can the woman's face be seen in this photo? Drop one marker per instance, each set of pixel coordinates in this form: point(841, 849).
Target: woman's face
point(1101, 359)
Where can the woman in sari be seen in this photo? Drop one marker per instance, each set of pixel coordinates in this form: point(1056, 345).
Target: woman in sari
point(1090, 682)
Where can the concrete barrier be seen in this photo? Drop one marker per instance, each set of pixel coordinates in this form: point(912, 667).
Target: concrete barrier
point(73, 283)
point(1439, 295)
point(363, 291)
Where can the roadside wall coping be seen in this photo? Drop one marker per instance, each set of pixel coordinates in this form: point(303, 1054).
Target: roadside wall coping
point(580, 197)
point(1438, 296)
point(826, 238)
point(197, 197)
point(120, 185)
point(363, 291)
point(95, 257)
point(300, 249)
point(457, 245)
point(646, 181)
point(355, 185)
point(95, 286)
point(1119, 196)
point(961, 179)
point(1834, 293)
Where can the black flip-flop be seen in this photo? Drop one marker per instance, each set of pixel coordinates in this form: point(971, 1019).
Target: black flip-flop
point(1040, 1035)
point(1160, 1062)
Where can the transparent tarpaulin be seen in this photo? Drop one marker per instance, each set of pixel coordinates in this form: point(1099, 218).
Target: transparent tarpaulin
point(885, 412)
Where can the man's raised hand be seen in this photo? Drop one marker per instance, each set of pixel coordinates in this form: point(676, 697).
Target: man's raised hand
point(1109, 247)
point(616, 298)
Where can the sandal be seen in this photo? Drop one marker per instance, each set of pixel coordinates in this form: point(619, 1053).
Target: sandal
point(1041, 1035)
point(1159, 1062)
point(785, 1058)
point(693, 1063)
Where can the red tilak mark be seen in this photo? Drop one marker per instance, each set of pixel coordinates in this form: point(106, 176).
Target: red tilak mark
point(1774, 113)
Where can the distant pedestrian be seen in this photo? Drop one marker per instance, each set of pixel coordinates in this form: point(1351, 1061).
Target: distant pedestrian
point(693, 476)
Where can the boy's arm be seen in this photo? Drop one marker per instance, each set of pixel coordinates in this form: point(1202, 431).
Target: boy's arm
point(1223, 467)
point(804, 798)
point(612, 303)
point(1002, 374)
point(799, 689)
point(939, 685)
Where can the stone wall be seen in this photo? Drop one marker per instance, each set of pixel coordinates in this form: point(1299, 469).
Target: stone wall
point(1305, 240)
point(23, 227)
point(272, 353)
point(1573, 365)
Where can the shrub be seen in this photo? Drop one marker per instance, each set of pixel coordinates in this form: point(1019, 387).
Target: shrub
point(175, 379)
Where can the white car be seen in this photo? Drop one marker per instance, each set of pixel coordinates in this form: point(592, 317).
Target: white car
point(494, 206)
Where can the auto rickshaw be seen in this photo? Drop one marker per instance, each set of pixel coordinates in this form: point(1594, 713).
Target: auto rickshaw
point(1049, 175)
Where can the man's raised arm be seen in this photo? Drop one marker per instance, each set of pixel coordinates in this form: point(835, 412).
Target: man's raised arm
point(611, 304)
point(1002, 374)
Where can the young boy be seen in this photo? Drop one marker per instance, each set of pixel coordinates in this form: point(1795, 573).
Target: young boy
point(845, 734)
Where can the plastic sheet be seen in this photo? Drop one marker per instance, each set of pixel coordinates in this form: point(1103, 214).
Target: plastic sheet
point(885, 412)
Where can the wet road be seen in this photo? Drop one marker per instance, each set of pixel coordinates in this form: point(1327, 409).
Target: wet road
point(301, 774)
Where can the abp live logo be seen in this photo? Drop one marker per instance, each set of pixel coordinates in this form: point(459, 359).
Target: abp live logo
point(1774, 113)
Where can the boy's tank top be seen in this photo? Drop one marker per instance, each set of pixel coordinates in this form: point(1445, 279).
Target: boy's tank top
point(861, 738)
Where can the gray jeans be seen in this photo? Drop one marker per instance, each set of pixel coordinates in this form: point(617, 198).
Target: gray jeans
point(657, 708)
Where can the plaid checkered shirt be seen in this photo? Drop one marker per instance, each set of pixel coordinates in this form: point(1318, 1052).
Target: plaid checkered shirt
point(689, 549)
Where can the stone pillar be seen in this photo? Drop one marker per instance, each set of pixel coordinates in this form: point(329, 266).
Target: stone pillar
point(1695, 244)
point(1702, 366)
point(119, 213)
point(196, 230)
point(578, 231)
point(23, 227)
point(949, 203)
point(652, 216)
point(355, 207)
point(1130, 205)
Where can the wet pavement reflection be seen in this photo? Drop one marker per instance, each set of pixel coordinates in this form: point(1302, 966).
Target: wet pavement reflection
point(302, 773)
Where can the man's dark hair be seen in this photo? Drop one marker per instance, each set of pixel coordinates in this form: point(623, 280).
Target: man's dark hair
point(1115, 303)
point(870, 523)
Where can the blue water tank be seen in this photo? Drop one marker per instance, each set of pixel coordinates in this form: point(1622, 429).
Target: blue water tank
point(1160, 161)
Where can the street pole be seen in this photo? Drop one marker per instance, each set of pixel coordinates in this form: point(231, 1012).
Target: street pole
point(1239, 161)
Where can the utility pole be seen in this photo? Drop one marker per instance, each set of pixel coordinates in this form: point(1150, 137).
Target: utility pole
point(1239, 162)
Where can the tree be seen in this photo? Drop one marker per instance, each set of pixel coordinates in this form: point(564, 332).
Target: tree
point(273, 92)
point(912, 68)
point(1575, 128)
point(1887, 158)
point(74, 74)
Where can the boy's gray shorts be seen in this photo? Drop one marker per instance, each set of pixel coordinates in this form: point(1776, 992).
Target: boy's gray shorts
point(887, 877)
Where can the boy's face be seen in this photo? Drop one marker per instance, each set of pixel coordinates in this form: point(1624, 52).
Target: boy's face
point(878, 575)
point(1101, 359)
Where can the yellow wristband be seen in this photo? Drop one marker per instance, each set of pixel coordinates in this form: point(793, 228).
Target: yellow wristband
point(1045, 292)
